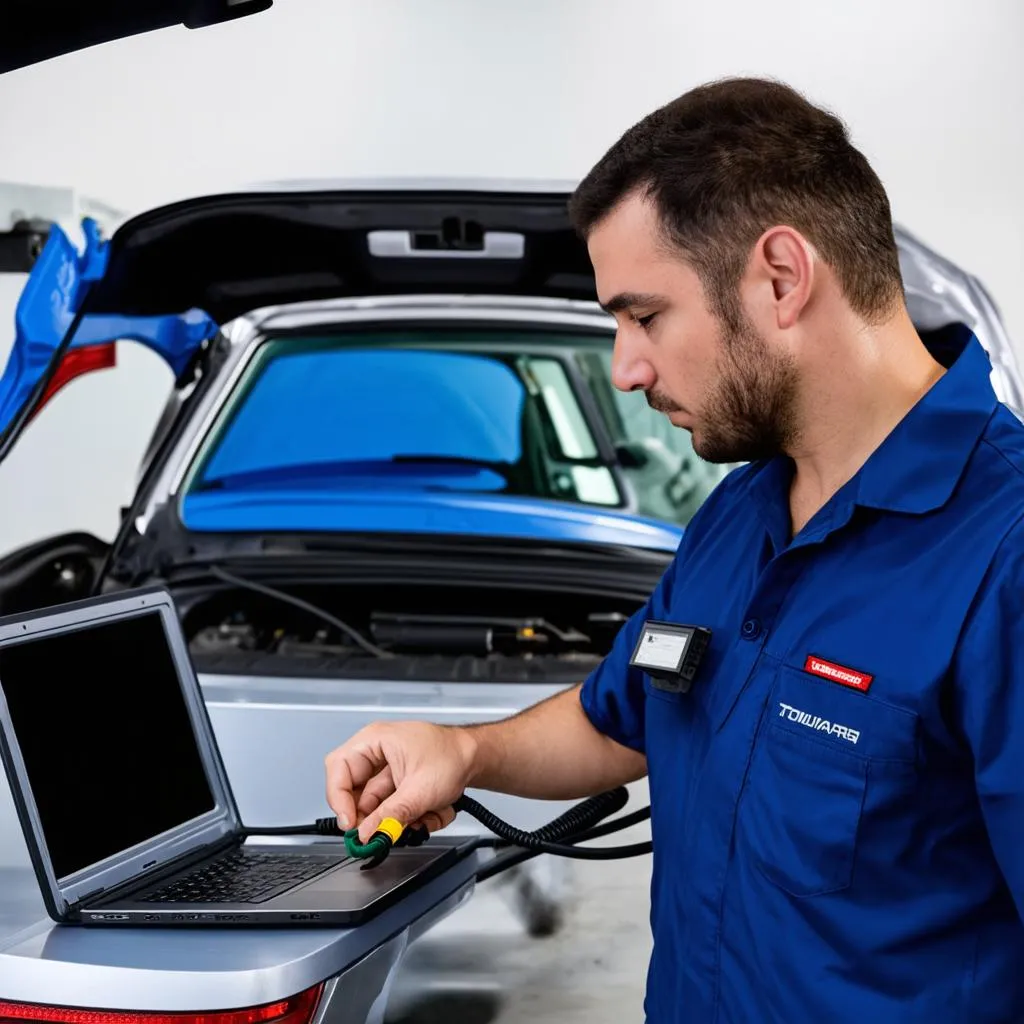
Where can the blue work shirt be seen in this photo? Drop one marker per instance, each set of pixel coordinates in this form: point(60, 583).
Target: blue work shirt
point(838, 801)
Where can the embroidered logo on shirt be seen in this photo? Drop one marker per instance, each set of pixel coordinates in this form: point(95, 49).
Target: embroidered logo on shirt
point(818, 723)
point(838, 673)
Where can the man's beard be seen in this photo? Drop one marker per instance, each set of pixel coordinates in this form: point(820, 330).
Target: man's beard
point(748, 413)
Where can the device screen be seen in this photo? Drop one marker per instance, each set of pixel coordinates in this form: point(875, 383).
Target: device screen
point(105, 735)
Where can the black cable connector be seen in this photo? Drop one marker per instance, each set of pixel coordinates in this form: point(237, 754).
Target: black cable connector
point(320, 827)
point(329, 827)
point(374, 851)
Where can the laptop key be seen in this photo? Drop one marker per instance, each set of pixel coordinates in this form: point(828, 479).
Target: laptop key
point(243, 876)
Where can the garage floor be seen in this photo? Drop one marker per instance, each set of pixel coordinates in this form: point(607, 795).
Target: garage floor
point(479, 966)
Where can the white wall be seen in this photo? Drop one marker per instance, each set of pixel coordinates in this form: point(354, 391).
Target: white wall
point(932, 90)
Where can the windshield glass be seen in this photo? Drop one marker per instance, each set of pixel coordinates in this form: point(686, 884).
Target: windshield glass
point(405, 412)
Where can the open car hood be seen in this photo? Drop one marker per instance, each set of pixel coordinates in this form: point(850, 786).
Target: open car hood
point(37, 30)
point(169, 277)
point(56, 339)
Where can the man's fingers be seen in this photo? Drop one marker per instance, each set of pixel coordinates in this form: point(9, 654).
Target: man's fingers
point(398, 806)
point(434, 821)
point(378, 789)
point(406, 772)
point(348, 769)
point(400, 810)
point(340, 795)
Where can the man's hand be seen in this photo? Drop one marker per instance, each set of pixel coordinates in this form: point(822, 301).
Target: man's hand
point(415, 771)
point(410, 771)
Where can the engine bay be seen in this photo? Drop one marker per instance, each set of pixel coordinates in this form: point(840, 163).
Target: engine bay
point(431, 632)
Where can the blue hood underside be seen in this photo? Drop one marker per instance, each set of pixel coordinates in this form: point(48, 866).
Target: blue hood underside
point(57, 289)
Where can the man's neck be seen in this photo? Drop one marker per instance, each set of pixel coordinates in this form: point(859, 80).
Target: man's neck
point(850, 403)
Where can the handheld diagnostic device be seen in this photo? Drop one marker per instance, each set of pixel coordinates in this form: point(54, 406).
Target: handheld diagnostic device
point(670, 654)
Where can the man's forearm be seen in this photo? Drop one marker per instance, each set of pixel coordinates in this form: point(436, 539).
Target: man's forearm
point(550, 752)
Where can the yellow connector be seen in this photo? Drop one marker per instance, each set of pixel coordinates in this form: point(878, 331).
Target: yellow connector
point(392, 829)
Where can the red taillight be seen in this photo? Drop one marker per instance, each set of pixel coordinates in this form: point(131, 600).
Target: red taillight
point(295, 1010)
point(76, 363)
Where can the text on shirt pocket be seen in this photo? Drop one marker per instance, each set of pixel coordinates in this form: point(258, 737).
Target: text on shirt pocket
point(826, 758)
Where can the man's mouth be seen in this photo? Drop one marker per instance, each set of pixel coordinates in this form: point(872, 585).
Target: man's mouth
point(662, 403)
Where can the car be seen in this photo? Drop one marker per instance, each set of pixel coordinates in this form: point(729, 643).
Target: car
point(405, 488)
point(418, 499)
point(392, 478)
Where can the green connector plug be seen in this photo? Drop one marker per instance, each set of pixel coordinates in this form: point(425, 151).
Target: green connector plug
point(388, 833)
point(378, 844)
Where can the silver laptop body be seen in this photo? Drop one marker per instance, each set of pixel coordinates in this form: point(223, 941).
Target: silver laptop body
point(123, 797)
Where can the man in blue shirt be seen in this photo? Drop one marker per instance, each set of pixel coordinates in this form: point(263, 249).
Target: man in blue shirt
point(838, 798)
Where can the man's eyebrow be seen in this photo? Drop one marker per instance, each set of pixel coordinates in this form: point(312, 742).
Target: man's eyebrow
point(624, 300)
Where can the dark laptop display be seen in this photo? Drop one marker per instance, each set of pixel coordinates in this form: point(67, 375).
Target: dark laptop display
point(122, 795)
point(105, 734)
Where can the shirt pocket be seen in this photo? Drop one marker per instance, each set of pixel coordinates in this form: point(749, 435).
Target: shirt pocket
point(826, 758)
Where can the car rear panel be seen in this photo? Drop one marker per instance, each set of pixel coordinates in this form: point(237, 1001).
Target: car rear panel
point(274, 734)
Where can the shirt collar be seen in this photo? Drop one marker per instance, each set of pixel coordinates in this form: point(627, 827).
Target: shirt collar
point(917, 467)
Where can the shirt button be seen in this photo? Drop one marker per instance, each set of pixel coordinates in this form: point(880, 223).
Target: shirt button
point(751, 629)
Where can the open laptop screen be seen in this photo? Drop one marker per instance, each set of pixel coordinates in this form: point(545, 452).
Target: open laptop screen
point(105, 734)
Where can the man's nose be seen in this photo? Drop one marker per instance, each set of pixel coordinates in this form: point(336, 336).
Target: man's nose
point(631, 371)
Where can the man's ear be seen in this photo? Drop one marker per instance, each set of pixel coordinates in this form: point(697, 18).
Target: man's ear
point(783, 261)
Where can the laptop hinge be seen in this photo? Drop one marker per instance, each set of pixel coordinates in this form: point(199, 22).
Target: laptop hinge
point(84, 899)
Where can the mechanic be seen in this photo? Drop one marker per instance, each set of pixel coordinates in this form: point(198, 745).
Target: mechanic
point(838, 798)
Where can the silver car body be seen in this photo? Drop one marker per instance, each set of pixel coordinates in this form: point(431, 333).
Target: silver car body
point(274, 732)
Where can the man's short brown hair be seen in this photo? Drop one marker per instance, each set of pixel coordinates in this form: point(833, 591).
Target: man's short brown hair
point(730, 159)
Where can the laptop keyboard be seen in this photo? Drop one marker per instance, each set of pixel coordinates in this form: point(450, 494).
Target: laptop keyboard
point(242, 876)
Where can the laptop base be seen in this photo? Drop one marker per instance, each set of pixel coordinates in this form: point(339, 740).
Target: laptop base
point(344, 895)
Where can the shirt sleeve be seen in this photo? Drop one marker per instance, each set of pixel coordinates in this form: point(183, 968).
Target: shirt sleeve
point(613, 694)
point(989, 697)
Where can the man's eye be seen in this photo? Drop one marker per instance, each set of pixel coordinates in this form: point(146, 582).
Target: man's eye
point(645, 321)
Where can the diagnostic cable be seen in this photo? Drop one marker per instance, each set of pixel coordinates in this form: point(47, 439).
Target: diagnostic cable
point(559, 837)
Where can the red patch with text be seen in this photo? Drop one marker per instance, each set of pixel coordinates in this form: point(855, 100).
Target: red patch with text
point(838, 673)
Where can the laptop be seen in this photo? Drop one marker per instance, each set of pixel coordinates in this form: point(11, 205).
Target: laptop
point(122, 793)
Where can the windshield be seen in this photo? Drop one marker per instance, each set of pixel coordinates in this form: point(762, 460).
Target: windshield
point(386, 412)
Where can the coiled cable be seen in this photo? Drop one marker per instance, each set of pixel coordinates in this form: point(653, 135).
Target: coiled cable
point(559, 837)
point(574, 825)
point(577, 819)
point(512, 856)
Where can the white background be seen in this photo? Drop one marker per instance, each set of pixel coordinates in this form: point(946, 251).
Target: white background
point(931, 89)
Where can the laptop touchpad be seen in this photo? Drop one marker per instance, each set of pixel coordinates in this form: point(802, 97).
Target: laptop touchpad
point(352, 886)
